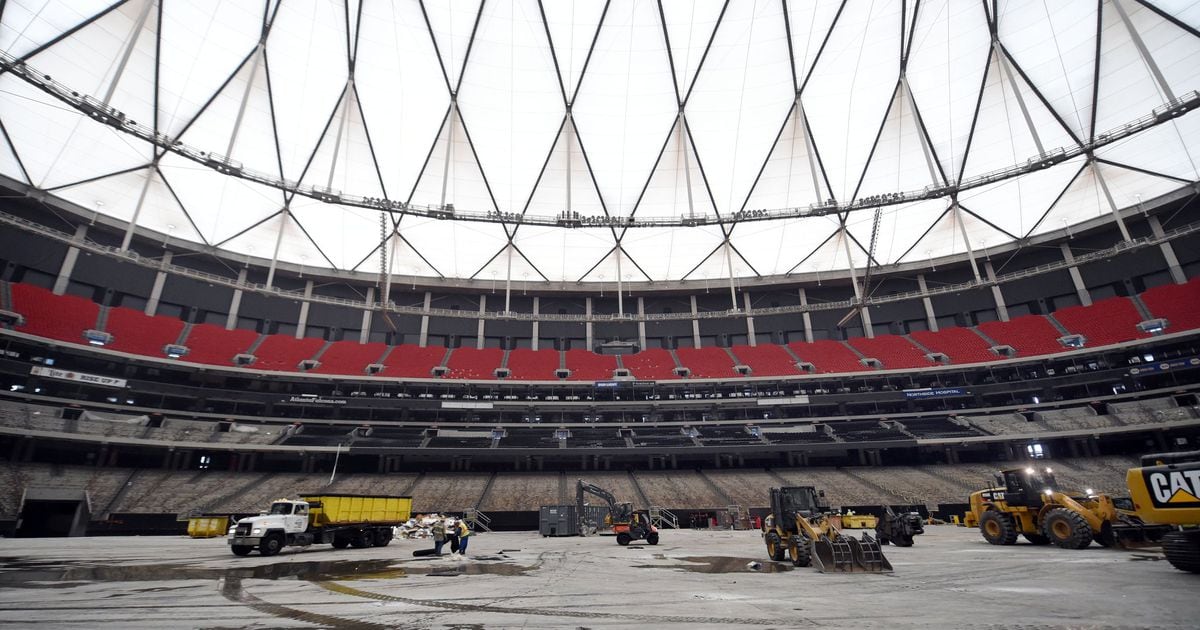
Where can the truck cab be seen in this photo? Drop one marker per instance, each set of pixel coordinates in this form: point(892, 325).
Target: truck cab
point(292, 514)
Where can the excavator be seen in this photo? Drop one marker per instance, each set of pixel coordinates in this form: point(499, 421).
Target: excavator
point(628, 524)
point(1029, 502)
point(1165, 489)
point(800, 526)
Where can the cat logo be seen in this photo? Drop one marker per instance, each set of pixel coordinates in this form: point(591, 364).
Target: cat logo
point(1174, 489)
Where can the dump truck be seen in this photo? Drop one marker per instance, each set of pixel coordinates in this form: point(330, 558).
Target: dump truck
point(801, 526)
point(1165, 489)
point(341, 520)
point(1029, 502)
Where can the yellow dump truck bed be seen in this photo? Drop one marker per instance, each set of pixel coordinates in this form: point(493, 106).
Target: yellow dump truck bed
point(344, 509)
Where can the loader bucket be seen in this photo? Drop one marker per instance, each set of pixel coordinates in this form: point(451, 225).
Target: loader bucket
point(868, 555)
point(833, 556)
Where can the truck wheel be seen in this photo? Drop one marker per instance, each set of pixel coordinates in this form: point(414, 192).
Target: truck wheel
point(383, 537)
point(903, 541)
point(775, 549)
point(340, 542)
point(362, 540)
point(997, 528)
point(652, 538)
point(799, 551)
point(1067, 529)
point(1037, 539)
point(623, 539)
point(1183, 550)
point(242, 550)
point(270, 545)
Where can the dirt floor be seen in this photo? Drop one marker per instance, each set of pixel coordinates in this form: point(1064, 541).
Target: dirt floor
point(950, 579)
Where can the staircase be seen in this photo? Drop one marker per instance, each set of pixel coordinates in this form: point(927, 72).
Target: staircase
point(486, 489)
point(638, 486)
point(716, 490)
point(477, 521)
point(663, 518)
point(116, 500)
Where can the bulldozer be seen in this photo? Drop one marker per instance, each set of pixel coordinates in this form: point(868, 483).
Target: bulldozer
point(898, 529)
point(628, 524)
point(1165, 489)
point(800, 526)
point(1029, 502)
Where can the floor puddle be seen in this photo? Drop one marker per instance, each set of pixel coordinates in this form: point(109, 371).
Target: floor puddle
point(719, 564)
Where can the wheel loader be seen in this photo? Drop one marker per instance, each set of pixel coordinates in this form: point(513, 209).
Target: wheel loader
point(799, 526)
point(1028, 502)
point(1166, 490)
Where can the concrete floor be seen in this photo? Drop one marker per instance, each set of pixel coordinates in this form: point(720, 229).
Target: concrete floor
point(950, 579)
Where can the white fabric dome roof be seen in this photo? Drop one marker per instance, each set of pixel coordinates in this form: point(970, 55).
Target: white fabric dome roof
point(683, 140)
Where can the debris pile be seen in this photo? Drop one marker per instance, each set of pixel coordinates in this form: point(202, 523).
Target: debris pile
point(419, 526)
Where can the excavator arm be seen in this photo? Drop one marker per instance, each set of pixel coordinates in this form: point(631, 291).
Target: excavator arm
point(618, 512)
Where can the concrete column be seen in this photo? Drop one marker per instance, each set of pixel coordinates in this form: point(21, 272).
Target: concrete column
point(302, 322)
point(533, 341)
point(587, 326)
point(236, 303)
point(68, 263)
point(1001, 307)
point(695, 324)
point(160, 279)
point(479, 327)
point(749, 320)
point(806, 316)
point(1085, 298)
point(365, 334)
point(424, 338)
point(930, 316)
point(1168, 252)
point(641, 306)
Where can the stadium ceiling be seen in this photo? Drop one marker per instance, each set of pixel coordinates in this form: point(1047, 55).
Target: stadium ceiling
point(598, 141)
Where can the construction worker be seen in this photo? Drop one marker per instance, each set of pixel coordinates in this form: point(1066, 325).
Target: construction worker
point(439, 536)
point(464, 534)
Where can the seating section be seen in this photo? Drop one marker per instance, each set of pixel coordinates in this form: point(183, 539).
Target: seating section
point(533, 365)
point(436, 492)
point(413, 361)
point(659, 437)
point(935, 428)
point(717, 435)
point(137, 333)
point(213, 345)
point(828, 356)
point(586, 365)
point(101, 484)
point(840, 488)
point(1074, 419)
point(283, 353)
point(599, 437)
point(393, 484)
point(62, 317)
point(961, 345)
point(766, 360)
point(1105, 322)
point(654, 363)
point(1179, 304)
point(674, 488)
point(349, 357)
point(746, 488)
point(1029, 335)
point(474, 363)
point(522, 491)
point(707, 362)
point(895, 353)
point(1004, 424)
point(865, 430)
point(789, 435)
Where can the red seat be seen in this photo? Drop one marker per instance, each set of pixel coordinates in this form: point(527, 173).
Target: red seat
point(349, 357)
point(413, 361)
point(653, 364)
point(893, 351)
point(961, 345)
point(1179, 304)
point(766, 360)
point(474, 363)
point(586, 365)
point(1029, 335)
point(62, 317)
point(1105, 322)
point(137, 333)
point(533, 365)
point(283, 353)
point(213, 345)
point(706, 362)
point(828, 356)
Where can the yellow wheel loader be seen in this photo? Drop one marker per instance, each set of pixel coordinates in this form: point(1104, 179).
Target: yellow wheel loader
point(800, 527)
point(1166, 490)
point(1028, 502)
